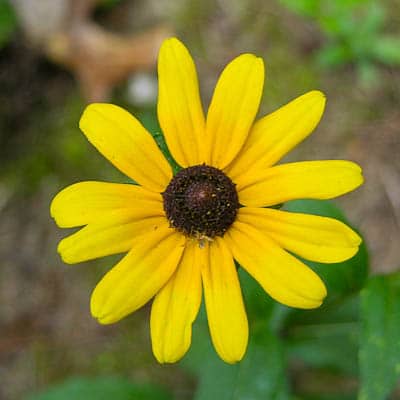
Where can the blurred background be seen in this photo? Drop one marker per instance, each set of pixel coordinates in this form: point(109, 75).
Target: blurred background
point(58, 55)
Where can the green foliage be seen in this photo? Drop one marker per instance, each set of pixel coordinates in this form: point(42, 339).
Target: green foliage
point(379, 355)
point(325, 339)
point(8, 22)
point(102, 388)
point(260, 375)
point(354, 34)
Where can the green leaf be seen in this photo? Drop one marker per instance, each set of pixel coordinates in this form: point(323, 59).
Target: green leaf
point(102, 388)
point(325, 342)
point(341, 278)
point(379, 354)
point(216, 379)
point(326, 338)
point(260, 375)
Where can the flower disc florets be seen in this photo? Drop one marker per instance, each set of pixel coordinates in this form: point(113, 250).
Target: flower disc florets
point(201, 201)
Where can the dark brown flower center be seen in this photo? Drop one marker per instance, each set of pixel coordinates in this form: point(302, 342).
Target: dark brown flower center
point(201, 201)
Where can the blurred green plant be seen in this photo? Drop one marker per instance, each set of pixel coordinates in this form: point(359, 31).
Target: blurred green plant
point(354, 32)
point(8, 22)
point(379, 354)
point(102, 388)
point(109, 3)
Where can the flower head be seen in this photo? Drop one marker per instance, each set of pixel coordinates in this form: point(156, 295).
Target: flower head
point(182, 233)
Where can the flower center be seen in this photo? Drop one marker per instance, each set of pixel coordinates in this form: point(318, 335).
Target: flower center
point(201, 201)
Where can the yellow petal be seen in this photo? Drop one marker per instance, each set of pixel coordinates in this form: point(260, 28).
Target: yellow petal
point(233, 108)
point(86, 202)
point(138, 276)
point(179, 106)
point(301, 180)
point(276, 134)
point(282, 276)
point(114, 234)
point(226, 314)
point(312, 237)
point(176, 305)
point(122, 139)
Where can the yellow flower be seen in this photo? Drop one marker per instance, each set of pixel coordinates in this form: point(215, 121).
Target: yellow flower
point(183, 232)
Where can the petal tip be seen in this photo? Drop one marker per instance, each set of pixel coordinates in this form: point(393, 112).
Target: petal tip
point(53, 209)
point(56, 212)
point(354, 251)
point(355, 239)
point(58, 207)
point(317, 94)
point(65, 249)
point(65, 257)
point(355, 166)
point(362, 179)
point(173, 40)
point(317, 297)
point(167, 358)
point(87, 116)
point(233, 358)
point(316, 303)
point(317, 103)
point(98, 313)
point(247, 59)
point(170, 44)
point(259, 64)
point(358, 174)
point(323, 292)
point(320, 290)
point(257, 61)
point(92, 110)
point(106, 320)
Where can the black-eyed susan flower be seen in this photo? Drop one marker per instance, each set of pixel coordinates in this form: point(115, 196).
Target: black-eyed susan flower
point(183, 232)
